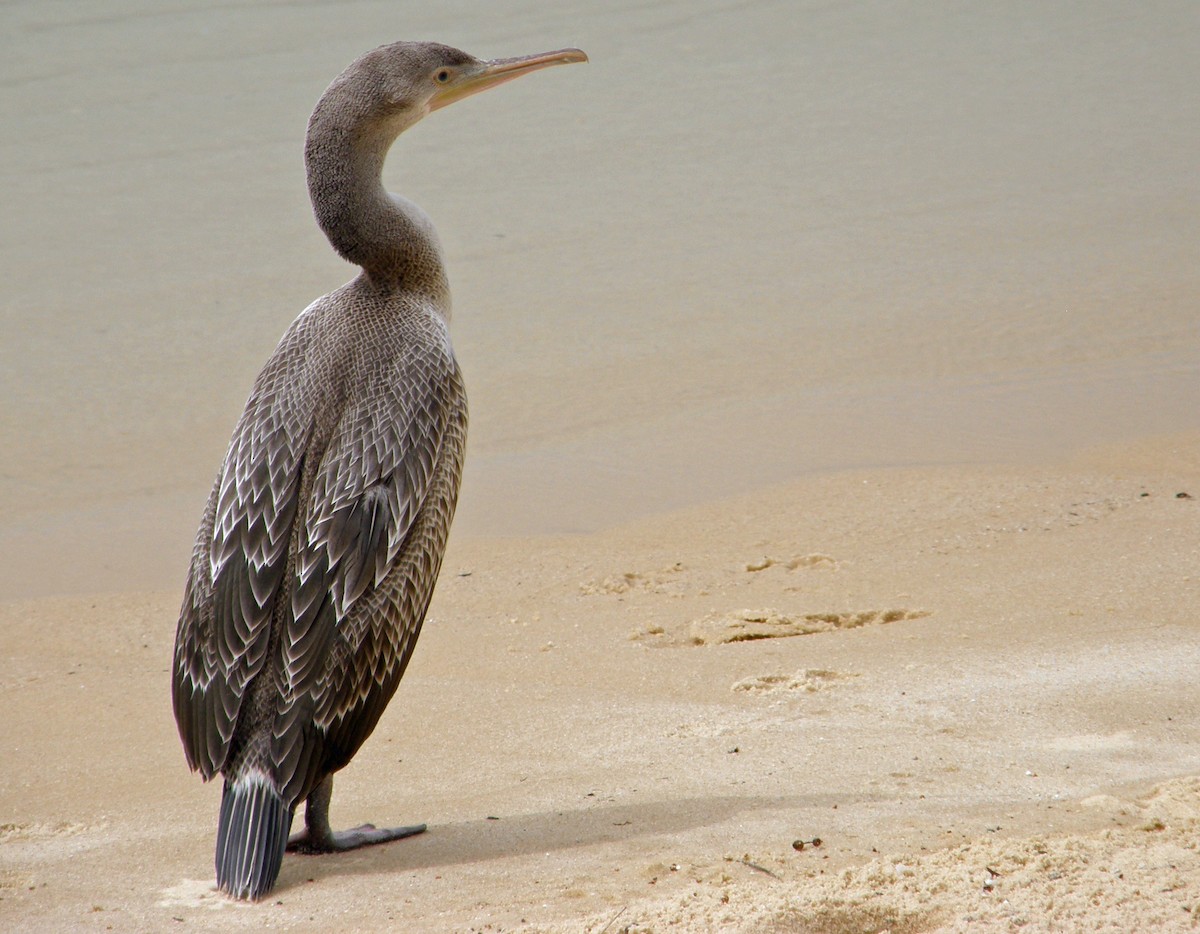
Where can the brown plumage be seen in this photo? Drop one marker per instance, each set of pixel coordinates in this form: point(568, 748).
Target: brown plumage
point(321, 542)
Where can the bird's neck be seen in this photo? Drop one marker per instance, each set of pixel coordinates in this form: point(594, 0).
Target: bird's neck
point(389, 237)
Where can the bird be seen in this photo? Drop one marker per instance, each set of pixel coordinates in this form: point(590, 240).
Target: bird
point(322, 539)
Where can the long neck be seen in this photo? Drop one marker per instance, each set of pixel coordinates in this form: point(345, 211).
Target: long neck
point(389, 237)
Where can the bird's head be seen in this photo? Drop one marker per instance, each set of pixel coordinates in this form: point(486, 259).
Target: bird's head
point(398, 84)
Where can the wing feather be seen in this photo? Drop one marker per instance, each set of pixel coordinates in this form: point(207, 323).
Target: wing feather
point(368, 497)
point(239, 561)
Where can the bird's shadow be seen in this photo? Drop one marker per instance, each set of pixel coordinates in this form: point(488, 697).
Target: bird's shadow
point(486, 839)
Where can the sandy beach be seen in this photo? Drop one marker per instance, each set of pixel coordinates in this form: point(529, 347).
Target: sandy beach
point(828, 552)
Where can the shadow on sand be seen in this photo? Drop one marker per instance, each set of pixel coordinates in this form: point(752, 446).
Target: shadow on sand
point(520, 835)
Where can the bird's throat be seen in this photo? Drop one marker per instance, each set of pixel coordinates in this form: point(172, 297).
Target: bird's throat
point(389, 237)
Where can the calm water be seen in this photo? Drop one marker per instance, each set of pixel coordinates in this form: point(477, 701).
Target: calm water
point(746, 241)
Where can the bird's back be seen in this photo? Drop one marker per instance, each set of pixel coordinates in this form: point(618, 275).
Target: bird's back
point(317, 554)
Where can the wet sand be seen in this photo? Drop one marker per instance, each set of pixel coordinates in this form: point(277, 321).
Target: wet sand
point(833, 373)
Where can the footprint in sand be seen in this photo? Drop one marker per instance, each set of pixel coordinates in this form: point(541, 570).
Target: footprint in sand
point(664, 580)
point(1174, 802)
point(12, 833)
point(13, 881)
point(752, 625)
point(792, 564)
point(61, 839)
point(808, 681)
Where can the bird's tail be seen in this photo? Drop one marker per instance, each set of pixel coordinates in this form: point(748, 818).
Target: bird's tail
point(251, 836)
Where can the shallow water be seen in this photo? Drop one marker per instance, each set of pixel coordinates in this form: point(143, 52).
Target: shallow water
point(746, 241)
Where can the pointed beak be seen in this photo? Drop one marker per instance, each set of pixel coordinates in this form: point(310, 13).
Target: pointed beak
point(496, 72)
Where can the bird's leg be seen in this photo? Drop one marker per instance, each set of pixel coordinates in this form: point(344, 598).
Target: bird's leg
point(317, 837)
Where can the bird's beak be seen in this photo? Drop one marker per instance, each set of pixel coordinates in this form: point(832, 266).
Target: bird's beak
point(499, 70)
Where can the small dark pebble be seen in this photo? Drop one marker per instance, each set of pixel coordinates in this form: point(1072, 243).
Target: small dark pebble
point(734, 749)
point(1183, 495)
point(492, 818)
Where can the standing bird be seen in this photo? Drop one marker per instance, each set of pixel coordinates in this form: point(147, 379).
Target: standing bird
point(321, 542)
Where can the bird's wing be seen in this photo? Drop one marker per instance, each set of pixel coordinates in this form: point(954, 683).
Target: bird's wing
point(239, 561)
point(347, 639)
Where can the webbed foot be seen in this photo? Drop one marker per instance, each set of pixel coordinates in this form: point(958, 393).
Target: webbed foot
point(318, 837)
point(335, 841)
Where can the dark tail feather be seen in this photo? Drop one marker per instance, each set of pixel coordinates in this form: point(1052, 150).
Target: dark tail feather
point(251, 836)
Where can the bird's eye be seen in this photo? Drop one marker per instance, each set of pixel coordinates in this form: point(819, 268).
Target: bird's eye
point(442, 75)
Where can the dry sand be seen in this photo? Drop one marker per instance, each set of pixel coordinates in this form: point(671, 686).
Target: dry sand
point(834, 373)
